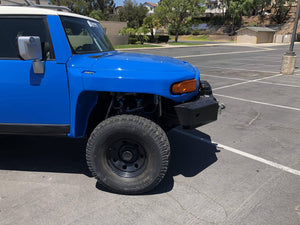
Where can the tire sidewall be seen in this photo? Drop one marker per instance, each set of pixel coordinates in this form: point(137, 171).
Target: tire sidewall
point(145, 137)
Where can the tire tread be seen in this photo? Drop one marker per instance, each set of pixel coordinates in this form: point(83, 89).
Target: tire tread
point(158, 135)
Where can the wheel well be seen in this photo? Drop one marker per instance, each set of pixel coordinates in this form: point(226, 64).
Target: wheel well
point(153, 107)
point(116, 103)
point(99, 112)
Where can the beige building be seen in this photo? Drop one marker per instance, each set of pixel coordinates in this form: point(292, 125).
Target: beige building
point(255, 35)
point(112, 29)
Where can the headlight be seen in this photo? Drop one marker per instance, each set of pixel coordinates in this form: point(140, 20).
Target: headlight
point(184, 87)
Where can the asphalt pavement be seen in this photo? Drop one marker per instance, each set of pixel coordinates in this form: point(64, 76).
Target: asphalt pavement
point(242, 169)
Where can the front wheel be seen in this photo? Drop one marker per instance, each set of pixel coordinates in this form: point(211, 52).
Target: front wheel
point(128, 154)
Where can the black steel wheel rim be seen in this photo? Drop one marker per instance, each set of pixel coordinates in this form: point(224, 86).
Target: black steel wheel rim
point(126, 157)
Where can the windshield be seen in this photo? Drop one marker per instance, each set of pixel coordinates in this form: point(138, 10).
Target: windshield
point(85, 36)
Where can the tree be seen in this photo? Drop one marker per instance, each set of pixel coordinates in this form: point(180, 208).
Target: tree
point(98, 15)
point(151, 23)
point(106, 6)
point(80, 7)
point(67, 3)
point(176, 12)
point(132, 13)
point(140, 33)
point(281, 10)
point(260, 5)
point(96, 8)
point(238, 8)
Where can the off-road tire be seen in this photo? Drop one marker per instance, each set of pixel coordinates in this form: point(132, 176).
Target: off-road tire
point(128, 154)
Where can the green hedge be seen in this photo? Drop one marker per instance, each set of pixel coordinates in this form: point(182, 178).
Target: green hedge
point(163, 38)
point(132, 40)
point(156, 39)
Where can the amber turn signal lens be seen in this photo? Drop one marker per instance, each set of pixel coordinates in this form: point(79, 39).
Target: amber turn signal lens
point(184, 87)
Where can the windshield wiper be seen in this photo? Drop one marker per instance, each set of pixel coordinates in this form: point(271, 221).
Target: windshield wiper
point(103, 54)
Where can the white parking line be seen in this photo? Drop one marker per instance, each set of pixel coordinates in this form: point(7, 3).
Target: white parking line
point(228, 78)
point(285, 85)
point(257, 102)
point(233, 68)
point(259, 159)
point(222, 53)
point(261, 82)
point(256, 59)
point(245, 154)
point(246, 82)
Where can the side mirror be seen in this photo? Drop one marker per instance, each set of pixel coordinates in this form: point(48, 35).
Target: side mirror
point(30, 49)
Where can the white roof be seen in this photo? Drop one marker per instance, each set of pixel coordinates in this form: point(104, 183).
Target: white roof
point(258, 29)
point(27, 10)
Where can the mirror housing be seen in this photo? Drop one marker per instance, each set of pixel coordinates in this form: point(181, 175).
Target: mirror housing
point(30, 48)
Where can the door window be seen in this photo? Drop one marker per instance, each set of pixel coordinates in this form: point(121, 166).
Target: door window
point(12, 27)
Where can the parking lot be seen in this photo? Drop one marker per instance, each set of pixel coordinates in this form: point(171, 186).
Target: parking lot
point(242, 169)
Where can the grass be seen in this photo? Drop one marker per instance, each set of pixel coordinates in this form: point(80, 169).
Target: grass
point(192, 38)
point(183, 43)
point(135, 46)
point(201, 38)
point(152, 46)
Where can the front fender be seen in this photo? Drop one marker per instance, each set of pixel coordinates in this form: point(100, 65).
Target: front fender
point(132, 73)
point(88, 77)
point(150, 84)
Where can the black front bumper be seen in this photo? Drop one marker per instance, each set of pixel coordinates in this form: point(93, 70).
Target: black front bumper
point(199, 112)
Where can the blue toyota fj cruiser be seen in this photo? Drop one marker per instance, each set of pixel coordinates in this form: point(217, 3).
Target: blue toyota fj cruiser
point(60, 75)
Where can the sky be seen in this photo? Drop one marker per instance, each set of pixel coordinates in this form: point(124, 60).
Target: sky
point(120, 2)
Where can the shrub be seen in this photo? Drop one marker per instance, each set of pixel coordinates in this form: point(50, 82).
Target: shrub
point(217, 20)
point(139, 34)
point(196, 32)
point(204, 32)
point(152, 39)
point(163, 38)
point(132, 40)
point(128, 31)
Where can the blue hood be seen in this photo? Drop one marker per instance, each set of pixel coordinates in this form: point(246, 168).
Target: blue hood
point(130, 72)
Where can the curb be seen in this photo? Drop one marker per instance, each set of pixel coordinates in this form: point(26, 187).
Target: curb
point(171, 46)
point(207, 45)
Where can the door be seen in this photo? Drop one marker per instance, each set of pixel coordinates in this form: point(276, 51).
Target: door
point(28, 99)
